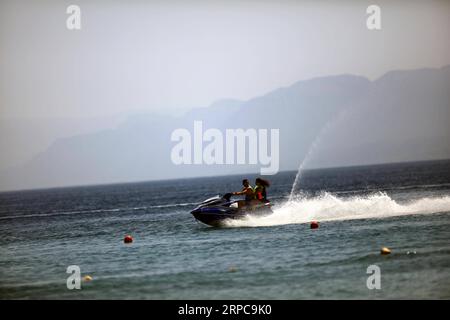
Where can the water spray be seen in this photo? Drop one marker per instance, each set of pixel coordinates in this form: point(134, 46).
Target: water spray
point(313, 148)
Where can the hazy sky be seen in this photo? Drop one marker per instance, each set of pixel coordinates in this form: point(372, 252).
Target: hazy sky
point(168, 56)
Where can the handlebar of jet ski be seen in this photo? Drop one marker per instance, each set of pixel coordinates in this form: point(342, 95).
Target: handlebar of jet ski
point(227, 196)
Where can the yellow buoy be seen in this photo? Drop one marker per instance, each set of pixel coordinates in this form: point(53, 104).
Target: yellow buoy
point(87, 278)
point(385, 250)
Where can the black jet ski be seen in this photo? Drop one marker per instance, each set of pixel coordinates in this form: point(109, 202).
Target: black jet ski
point(215, 211)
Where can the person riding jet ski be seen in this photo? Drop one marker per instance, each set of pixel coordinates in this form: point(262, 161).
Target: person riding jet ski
point(248, 191)
point(260, 189)
point(215, 211)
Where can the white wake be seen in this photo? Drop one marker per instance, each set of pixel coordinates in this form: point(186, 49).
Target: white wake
point(328, 207)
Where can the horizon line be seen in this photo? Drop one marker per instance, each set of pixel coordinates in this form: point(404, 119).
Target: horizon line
point(89, 185)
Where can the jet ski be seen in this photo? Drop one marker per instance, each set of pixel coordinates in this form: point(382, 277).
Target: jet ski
point(215, 211)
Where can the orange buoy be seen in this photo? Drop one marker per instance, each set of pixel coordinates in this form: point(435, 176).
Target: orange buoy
point(314, 225)
point(385, 250)
point(128, 239)
point(232, 269)
point(87, 278)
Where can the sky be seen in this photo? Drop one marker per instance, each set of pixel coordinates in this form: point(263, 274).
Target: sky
point(167, 57)
point(170, 56)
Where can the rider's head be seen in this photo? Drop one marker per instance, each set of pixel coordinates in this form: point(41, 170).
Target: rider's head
point(262, 182)
point(245, 183)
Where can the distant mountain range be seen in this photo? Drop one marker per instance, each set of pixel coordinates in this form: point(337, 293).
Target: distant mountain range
point(402, 116)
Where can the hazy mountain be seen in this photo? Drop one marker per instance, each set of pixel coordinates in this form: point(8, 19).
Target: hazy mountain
point(21, 138)
point(403, 116)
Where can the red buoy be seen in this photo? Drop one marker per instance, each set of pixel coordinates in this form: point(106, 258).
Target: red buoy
point(314, 225)
point(128, 239)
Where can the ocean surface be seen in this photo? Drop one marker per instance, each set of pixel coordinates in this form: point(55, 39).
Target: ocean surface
point(405, 207)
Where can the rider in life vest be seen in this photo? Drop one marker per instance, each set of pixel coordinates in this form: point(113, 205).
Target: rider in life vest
point(247, 191)
point(260, 189)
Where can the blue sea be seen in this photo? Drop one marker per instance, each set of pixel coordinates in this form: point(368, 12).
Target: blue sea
point(405, 207)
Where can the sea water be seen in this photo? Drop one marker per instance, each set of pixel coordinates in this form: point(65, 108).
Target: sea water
point(401, 206)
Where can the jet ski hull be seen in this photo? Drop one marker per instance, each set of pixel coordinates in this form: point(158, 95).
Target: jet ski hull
point(218, 216)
